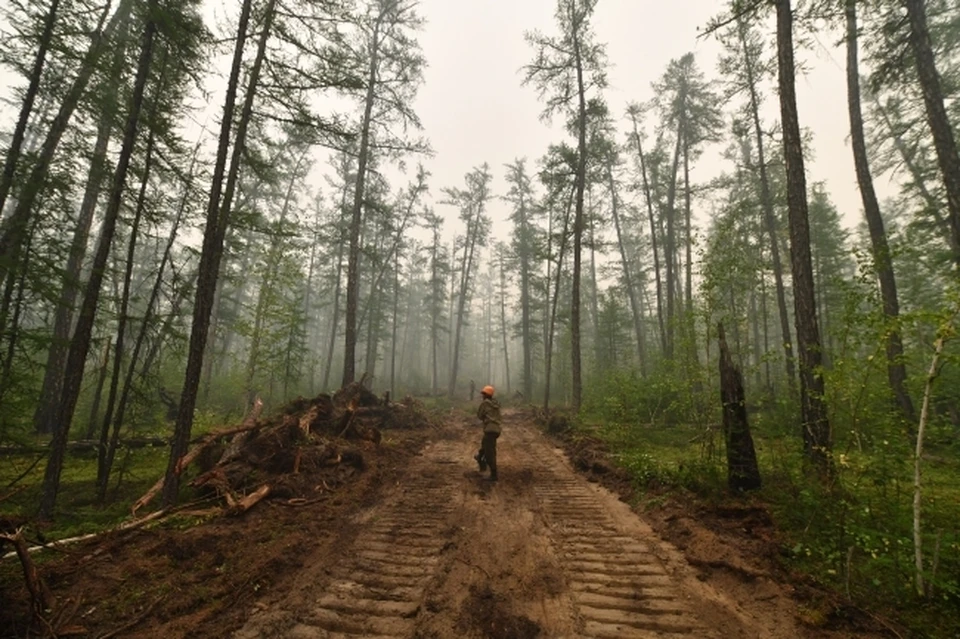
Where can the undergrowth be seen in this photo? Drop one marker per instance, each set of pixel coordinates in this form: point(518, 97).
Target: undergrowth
point(853, 537)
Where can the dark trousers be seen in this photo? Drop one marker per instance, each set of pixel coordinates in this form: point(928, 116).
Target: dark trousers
point(488, 452)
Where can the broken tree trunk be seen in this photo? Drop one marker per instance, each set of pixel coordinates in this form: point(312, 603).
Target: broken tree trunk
point(39, 595)
point(742, 471)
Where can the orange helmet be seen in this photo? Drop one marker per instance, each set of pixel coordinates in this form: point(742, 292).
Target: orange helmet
point(487, 390)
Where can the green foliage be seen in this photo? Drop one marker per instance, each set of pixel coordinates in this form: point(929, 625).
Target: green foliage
point(663, 398)
point(77, 511)
point(854, 535)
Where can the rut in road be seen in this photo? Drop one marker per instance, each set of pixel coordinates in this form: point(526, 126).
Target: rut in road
point(542, 553)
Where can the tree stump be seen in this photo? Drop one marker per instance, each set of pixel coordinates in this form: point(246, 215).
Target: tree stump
point(742, 471)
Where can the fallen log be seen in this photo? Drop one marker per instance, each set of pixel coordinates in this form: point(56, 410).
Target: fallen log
point(126, 526)
point(83, 446)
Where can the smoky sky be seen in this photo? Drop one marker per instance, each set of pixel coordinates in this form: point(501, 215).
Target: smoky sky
point(475, 109)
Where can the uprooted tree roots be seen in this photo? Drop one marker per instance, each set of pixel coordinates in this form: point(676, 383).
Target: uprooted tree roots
point(309, 446)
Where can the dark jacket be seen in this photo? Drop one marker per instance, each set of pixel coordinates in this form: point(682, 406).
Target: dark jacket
point(489, 414)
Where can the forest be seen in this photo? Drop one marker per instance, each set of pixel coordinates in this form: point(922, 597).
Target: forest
point(208, 207)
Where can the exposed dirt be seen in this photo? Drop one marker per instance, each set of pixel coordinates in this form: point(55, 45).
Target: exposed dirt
point(418, 544)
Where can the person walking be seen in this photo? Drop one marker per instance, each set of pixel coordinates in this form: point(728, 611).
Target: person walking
point(489, 414)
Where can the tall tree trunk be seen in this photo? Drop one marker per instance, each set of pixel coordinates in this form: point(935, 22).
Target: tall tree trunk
point(393, 324)
point(937, 118)
point(26, 107)
point(526, 332)
point(546, 283)
point(896, 369)
point(353, 256)
point(594, 287)
point(653, 235)
point(766, 327)
point(312, 338)
point(217, 221)
point(80, 345)
point(548, 363)
point(670, 247)
point(627, 274)
point(13, 228)
point(688, 319)
point(45, 415)
point(769, 216)
point(503, 322)
point(335, 315)
point(436, 288)
point(578, 221)
point(452, 309)
point(816, 427)
point(103, 470)
point(373, 333)
point(142, 334)
point(466, 270)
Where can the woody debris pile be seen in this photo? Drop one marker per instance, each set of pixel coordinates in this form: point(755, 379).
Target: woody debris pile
point(310, 447)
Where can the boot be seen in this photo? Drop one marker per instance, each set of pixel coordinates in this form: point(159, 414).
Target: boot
point(481, 462)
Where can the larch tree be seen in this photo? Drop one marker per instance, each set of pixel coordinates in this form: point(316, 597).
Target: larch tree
point(390, 72)
point(435, 299)
point(522, 198)
point(567, 71)
point(635, 112)
point(746, 69)
point(45, 414)
point(472, 203)
point(80, 345)
point(815, 423)
point(883, 261)
point(217, 220)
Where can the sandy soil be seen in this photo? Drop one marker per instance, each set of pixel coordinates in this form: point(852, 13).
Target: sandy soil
point(421, 545)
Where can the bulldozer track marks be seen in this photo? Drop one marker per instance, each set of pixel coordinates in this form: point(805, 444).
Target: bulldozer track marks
point(378, 591)
point(619, 587)
point(377, 586)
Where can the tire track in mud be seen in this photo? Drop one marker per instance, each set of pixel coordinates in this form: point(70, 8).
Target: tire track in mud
point(618, 586)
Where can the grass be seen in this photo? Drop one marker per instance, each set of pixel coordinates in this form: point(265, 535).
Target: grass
point(78, 512)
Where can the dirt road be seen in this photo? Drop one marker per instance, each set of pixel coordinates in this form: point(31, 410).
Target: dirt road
point(541, 553)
